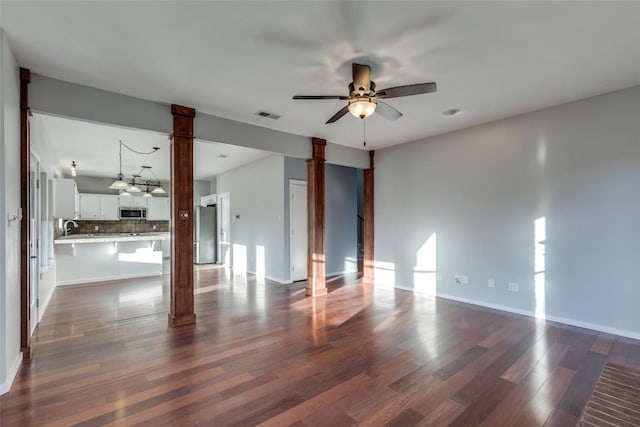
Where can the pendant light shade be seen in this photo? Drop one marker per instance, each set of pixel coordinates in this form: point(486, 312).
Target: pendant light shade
point(124, 193)
point(159, 190)
point(119, 184)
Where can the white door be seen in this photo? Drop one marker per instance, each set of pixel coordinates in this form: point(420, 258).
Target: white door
point(34, 223)
point(298, 229)
point(224, 229)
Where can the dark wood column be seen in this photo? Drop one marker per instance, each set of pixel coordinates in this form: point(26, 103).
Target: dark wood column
point(181, 307)
point(316, 279)
point(367, 274)
point(25, 234)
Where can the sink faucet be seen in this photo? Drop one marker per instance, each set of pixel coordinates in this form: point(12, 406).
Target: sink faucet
point(67, 227)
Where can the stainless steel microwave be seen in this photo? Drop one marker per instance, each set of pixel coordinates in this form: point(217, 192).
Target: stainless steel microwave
point(133, 213)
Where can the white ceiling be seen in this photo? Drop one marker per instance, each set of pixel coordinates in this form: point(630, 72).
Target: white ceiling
point(490, 59)
point(94, 148)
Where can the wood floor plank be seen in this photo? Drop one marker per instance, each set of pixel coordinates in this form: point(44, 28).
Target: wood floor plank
point(264, 353)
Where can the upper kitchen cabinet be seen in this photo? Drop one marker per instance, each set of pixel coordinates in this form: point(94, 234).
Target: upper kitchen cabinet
point(133, 202)
point(99, 207)
point(66, 201)
point(158, 209)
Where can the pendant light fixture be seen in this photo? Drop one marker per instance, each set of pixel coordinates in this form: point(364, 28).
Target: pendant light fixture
point(133, 188)
point(73, 168)
point(119, 183)
point(147, 194)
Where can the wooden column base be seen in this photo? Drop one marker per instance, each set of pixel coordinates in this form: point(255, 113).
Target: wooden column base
point(316, 292)
point(181, 319)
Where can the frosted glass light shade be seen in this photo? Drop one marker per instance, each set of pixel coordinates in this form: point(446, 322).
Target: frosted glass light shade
point(362, 107)
point(119, 184)
point(159, 190)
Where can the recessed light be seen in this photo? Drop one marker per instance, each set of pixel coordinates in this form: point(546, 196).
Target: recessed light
point(451, 112)
point(222, 156)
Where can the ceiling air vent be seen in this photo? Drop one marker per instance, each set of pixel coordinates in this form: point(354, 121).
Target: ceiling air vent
point(268, 115)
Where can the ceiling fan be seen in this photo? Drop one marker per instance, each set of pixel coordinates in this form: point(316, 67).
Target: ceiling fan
point(364, 99)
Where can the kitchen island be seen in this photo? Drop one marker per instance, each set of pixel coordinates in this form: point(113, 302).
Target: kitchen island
point(86, 258)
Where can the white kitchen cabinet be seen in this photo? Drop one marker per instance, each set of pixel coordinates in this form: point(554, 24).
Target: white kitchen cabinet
point(158, 209)
point(66, 201)
point(133, 202)
point(89, 207)
point(109, 208)
point(209, 200)
point(99, 207)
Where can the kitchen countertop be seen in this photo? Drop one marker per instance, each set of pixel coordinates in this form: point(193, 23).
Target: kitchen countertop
point(108, 238)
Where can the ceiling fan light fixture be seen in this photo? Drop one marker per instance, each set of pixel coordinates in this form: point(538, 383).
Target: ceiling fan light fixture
point(362, 107)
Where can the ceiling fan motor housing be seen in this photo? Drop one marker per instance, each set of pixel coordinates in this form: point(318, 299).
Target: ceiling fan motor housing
point(362, 91)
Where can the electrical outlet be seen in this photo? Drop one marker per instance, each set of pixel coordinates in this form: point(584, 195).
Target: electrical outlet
point(491, 283)
point(514, 287)
point(96, 228)
point(155, 226)
point(464, 280)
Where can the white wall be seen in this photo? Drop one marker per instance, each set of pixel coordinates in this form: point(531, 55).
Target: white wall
point(257, 196)
point(477, 192)
point(10, 355)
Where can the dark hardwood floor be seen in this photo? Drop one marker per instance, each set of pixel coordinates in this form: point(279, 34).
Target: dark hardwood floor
point(263, 353)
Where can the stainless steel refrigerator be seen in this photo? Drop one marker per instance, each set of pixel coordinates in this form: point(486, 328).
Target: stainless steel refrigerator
point(204, 235)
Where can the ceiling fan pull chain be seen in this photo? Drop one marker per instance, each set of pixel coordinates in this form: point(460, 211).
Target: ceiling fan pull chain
point(364, 136)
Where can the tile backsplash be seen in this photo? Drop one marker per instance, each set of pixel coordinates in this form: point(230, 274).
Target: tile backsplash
point(122, 226)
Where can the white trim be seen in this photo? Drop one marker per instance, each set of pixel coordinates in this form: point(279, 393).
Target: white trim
point(44, 302)
point(6, 386)
point(273, 279)
point(96, 280)
point(527, 313)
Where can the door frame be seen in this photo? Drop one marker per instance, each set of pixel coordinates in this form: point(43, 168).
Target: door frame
point(300, 183)
point(219, 228)
point(34, 238)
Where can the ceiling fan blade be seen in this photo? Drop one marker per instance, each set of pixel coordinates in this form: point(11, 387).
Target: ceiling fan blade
point(344, 98)
point(337, 116)
point(408, 90)
point(387, 111)
point(361, 77)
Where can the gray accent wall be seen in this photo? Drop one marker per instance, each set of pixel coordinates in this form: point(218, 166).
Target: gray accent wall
point(466, 204)
point(341, 194)
point(341, 219)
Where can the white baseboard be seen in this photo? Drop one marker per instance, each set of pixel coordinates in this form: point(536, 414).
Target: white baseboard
point(6, 386)
point(563, 320)
point(96, 280)
point(273, 279)
point(44, 302)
